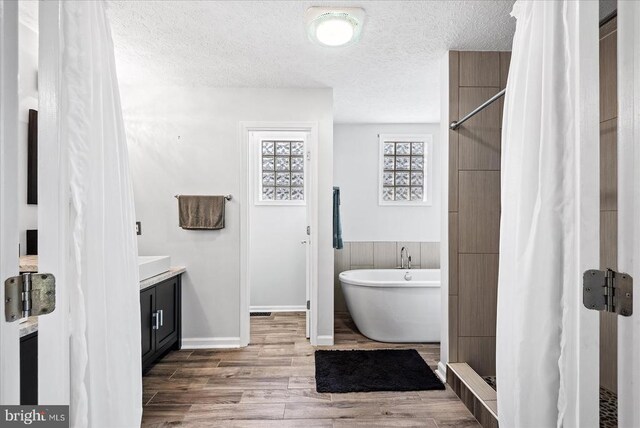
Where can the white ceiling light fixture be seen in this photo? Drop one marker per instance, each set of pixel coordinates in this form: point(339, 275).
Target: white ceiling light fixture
point(334, 27)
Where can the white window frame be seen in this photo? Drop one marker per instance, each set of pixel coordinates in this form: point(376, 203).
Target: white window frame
point(258, 138)
point(427, 139)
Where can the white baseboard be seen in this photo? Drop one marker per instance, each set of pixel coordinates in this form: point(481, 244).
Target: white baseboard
point(294, 308)
point(210, 342)
point(442, 372)
point(325, 340)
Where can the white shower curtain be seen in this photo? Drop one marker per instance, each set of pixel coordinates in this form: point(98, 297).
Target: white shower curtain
point(105, 352)
point(539, 275)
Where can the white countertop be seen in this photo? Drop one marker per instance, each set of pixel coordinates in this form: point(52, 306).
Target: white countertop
point(28, 264)
point(173, 271)
point(28, 326)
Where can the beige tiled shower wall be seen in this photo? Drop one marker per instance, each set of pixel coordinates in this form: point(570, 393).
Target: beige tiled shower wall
point(381, 255)
point(474, 206)
point(608, 195)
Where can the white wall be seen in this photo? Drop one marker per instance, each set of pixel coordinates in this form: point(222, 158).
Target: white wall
point(356, 164)
point(28, 99)
point(185, 140)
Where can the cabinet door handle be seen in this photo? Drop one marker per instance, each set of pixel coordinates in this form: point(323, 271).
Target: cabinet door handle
point(155, 319)
point(161, 313)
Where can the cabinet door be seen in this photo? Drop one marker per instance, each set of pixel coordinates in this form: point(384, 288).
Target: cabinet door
point(29, 369)
point(147, 309)
point(167, 309)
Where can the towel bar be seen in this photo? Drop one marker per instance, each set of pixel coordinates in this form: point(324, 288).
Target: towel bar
point(227, 197)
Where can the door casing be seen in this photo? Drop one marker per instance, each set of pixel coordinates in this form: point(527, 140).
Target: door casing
point(9, 340)
point(246, 199)
point(629, 207)
point(54, 221)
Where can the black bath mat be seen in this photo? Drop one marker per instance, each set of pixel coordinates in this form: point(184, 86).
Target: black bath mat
point(260, 314)
point(380, 370)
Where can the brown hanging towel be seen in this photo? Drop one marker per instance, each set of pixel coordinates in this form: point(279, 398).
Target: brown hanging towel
point(201, 212)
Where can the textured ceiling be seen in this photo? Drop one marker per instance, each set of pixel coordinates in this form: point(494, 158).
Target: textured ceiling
point(391, 75)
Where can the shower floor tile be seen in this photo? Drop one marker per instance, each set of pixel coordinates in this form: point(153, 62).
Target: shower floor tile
point(608, 404)
point(608, 409)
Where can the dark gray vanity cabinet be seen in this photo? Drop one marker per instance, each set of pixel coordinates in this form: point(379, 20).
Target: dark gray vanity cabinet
point(29, 369)
point(167, 299)
point(160, 313)
point(147, 309)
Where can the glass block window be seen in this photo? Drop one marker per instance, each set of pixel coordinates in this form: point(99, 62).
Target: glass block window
point(404, 170)
point(282, 171)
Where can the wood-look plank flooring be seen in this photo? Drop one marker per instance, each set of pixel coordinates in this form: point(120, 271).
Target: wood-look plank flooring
point(271, 383)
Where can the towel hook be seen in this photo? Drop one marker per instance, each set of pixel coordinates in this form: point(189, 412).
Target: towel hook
point(227, 197)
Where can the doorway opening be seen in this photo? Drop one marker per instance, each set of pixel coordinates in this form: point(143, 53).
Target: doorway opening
point(278, 249)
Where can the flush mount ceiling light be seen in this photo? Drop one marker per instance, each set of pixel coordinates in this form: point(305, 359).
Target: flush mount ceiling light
point(334, 26)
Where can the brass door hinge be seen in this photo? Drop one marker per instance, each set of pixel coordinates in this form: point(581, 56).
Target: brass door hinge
point(29, 294)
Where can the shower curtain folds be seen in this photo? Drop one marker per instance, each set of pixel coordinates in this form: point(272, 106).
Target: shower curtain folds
point(105, 344)
point(542, 229)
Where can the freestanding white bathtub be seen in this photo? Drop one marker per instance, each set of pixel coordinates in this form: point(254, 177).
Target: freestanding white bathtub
point(394, 305)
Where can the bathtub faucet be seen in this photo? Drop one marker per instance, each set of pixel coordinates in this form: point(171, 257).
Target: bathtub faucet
point(405, 253)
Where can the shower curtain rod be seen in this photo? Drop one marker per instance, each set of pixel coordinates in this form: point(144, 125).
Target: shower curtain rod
point(454, 125)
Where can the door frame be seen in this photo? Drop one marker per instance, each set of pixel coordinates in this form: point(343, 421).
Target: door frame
point(581, 326)
point(246, 202)
point(629, 207)
point(9, 337)
point(53, 211)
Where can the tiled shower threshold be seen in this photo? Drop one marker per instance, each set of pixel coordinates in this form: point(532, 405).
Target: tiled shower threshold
point(476, 395)
point(608, 404)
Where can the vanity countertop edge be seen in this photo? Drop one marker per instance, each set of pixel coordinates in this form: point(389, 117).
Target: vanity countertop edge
point(31, 324)
point(173, 271)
